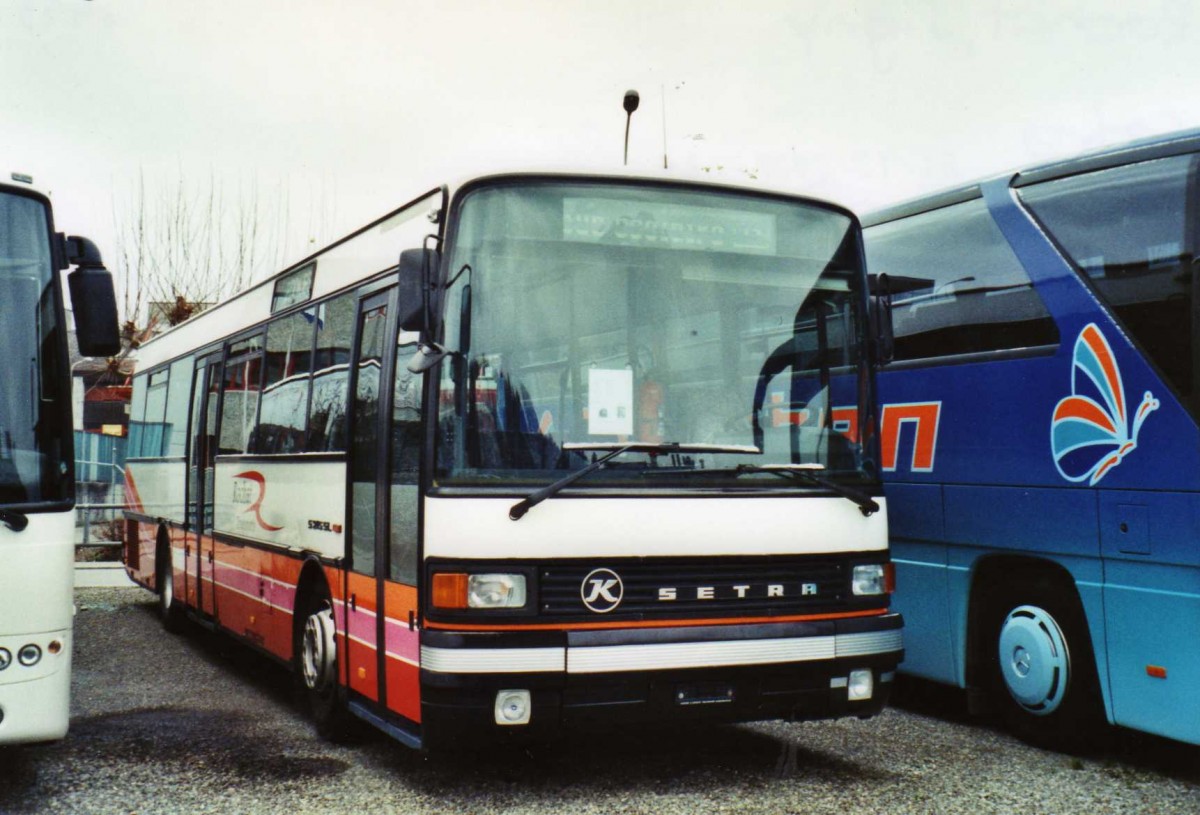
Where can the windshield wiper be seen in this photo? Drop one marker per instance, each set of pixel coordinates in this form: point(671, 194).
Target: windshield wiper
point(614, 449)
point(808, 472)
point(16, 521)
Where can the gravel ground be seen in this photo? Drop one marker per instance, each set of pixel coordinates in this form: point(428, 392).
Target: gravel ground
point(195, 724)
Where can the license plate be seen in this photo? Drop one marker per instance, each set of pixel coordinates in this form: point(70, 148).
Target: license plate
point(707, 694)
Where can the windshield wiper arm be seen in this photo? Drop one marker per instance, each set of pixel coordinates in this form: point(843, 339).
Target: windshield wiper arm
point(614, 449)
point(16, 521)
point(808, 472)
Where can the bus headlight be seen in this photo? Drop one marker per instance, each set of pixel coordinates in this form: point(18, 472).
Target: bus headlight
point(513, 707)
point(860, 686)
point(29, 655)
point(872, 578)
point(496, 591)
point(5, 658)
point(458, 590)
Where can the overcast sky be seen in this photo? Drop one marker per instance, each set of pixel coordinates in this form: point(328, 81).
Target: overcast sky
point(351, 107)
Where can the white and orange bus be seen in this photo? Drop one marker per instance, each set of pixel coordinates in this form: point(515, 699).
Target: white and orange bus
point(535, 452)
point(37, 465)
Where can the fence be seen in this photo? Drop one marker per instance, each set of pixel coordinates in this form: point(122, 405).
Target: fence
point(99, 459)
point(100, 496)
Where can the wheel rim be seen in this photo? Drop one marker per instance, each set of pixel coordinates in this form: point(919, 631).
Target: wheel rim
point(1034, 660)
point(318, 653)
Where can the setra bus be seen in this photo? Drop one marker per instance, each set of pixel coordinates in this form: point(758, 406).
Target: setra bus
point(37, 463)
point(530, 453)
point(1040, 439)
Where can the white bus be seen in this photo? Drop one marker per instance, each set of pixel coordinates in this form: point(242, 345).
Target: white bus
point(37, 467)
point(535, 452)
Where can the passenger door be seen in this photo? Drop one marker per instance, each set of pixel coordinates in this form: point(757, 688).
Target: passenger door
point(367, 492)
point(198, 553)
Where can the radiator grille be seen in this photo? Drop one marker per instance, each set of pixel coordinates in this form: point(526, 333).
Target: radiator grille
point(710, 588)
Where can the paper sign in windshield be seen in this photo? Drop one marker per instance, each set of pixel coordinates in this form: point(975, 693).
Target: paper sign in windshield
point(610, 401)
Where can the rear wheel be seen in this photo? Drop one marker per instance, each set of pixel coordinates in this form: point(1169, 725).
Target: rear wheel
point(1044, 673)
point(169, 610)
point(316, 666)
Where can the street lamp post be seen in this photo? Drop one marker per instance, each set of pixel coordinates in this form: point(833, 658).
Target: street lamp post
point(630, 104)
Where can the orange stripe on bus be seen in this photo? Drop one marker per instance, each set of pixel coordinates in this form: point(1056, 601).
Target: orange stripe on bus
point(798, 618)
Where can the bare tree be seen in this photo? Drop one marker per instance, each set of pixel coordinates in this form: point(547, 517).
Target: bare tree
point(183, 245)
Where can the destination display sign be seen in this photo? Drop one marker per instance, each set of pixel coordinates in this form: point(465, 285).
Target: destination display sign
point(662, 225)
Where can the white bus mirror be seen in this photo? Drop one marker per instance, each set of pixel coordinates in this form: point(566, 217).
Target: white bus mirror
point(92, 300)
point(426, 357)
point(417, 273)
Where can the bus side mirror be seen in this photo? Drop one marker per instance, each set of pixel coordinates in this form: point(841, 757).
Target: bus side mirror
point(92, 299)
point(882, 331)
point(417, 287)
point(418, 268)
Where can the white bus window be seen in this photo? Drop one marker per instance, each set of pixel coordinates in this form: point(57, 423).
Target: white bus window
point(153, 443)
point(326, 420)
point(407, 441)
point(284, 416)
point(179, 397)
point(239, 404)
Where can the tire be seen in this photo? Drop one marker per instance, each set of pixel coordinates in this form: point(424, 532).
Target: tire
point(170, 612)
point(316, 667)
point(1043, 671)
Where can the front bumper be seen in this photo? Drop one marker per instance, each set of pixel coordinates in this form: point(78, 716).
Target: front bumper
point(727, 673)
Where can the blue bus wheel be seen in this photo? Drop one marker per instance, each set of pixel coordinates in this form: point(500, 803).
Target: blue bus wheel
point(1043, 670)
point(1034, 660)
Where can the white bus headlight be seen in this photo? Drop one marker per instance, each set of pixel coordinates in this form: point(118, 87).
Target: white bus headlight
point(5, 658)
point(496, 591)
point(860, 686)
point(513, 707)
point(458, 590)
point(872, 578)
point(29, 655)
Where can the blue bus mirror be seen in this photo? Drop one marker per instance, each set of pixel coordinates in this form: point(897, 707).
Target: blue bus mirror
point(882, 331)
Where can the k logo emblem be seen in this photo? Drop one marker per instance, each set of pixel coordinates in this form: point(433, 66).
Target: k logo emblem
point(602, 590)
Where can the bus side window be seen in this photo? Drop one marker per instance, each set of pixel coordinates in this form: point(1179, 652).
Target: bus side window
point(137, 416)
point(1132, 231)
point(283, 417)
point(327, 411)
point(958, 287)
point(156, 408)
point(239, 399)
point(179, 397)
point(407, 441)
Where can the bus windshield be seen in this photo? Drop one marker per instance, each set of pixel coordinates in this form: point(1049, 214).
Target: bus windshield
point(33, 468)
point(583, 316)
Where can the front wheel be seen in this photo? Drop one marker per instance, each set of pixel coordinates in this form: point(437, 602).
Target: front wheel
point(317, 664)
point(1044, 671)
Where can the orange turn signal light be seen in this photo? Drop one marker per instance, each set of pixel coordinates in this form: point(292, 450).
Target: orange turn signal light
point(889, 578)
point(1156, 671)
point(449, 590)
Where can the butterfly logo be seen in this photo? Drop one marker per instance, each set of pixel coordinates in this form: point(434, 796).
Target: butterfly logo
point(1090, 432)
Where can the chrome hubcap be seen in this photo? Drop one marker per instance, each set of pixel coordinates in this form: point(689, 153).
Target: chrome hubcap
point(318, 650)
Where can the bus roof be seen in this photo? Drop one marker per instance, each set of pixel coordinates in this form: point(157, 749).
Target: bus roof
point(252, 305)
point(21, 182)
point(1145, 149)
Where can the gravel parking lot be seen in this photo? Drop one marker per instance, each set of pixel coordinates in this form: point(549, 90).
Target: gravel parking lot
point(165, 724)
